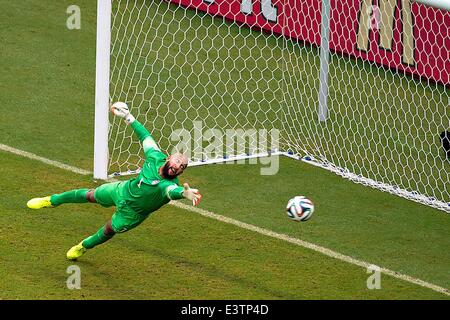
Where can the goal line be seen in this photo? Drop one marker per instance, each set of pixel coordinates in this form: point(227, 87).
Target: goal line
point(265, 232)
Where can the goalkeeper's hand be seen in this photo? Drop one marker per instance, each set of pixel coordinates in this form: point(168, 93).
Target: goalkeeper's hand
point(120, 109)
point(192, 194)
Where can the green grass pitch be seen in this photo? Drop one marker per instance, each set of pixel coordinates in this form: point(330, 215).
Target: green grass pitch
point(47, 90)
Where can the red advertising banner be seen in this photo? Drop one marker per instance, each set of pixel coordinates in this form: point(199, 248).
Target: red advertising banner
point(398, 34)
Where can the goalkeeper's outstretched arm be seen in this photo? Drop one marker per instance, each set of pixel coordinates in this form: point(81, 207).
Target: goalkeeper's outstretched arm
point(175, 192)
point(120, 109)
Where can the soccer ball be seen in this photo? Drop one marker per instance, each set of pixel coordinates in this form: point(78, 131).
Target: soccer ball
point(299, 208)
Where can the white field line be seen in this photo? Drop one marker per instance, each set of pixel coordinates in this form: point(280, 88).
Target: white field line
point(266, 232)
point(42, 159)
point(309, 245)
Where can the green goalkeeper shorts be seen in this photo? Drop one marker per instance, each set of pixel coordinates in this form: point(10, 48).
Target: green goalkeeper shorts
point(124, 218)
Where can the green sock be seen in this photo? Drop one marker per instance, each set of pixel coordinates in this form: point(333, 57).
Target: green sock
point(72, 196)
point(98, 238)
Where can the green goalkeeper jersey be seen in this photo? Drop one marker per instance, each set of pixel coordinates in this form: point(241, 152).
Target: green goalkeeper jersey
point(149, 191)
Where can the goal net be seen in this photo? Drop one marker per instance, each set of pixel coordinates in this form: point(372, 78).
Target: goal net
point(380, 70)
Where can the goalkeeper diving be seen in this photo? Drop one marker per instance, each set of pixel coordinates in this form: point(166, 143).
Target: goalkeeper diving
point(134, 199)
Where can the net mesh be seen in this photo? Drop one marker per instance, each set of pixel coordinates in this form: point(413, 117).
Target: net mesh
point(176, 66)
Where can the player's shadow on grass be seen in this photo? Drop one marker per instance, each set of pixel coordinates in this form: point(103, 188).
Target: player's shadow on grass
point(100, 278)
point(210, 270)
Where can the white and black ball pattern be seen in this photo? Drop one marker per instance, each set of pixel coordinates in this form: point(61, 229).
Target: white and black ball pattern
point(300, 208)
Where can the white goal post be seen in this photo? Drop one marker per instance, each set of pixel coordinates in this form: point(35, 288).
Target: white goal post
point(324, 52)
point(441, 4)
point(367, 104)
point(102, 103)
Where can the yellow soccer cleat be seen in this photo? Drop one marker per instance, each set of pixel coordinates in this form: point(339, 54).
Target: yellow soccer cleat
point(76, 251)
point(39, 203)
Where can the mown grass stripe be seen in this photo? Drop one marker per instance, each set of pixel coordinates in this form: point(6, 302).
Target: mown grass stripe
point(266, 232)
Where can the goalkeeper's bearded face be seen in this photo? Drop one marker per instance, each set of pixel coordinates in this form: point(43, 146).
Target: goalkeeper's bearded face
point(175, 165)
